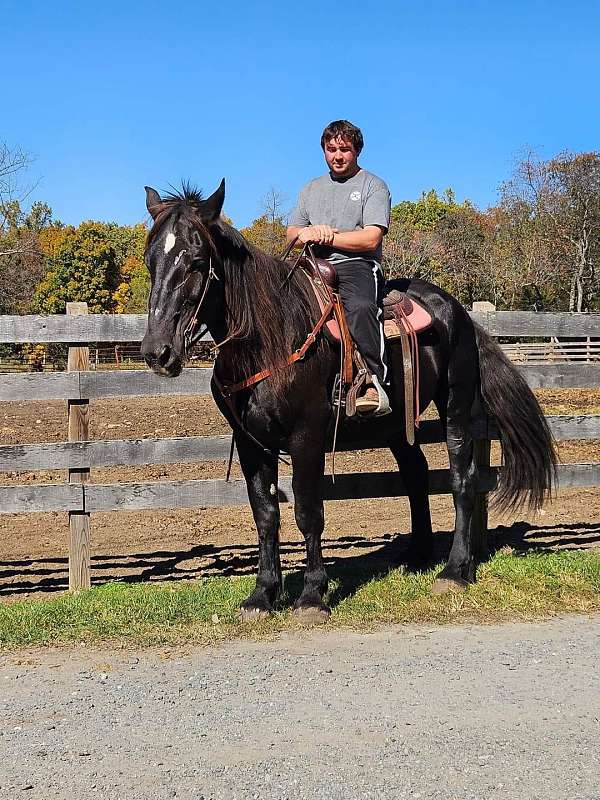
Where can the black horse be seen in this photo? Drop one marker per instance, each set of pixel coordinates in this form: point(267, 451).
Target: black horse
point(204, 272)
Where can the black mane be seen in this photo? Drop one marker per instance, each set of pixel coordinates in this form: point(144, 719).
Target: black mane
point(269, 314)
point(189, 195)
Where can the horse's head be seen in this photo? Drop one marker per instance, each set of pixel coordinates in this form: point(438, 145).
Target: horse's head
point(180, 258)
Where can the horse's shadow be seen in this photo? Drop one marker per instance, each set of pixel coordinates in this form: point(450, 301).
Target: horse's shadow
point(351, 561)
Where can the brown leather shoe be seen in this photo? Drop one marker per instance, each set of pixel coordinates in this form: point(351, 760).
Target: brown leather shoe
point(368, 402)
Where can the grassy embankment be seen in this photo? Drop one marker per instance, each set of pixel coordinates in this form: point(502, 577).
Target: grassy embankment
point(509, 587)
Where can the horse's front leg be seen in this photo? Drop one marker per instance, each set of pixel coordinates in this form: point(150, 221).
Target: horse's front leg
point(260, 472)
point(308, 462)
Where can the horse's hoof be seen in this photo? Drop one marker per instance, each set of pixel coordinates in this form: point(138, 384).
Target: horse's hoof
point(445, 585)
point(312, 615)
point(253, 614)
point(414, 562)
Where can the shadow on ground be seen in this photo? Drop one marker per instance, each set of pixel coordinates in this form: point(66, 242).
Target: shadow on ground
point(352, 560)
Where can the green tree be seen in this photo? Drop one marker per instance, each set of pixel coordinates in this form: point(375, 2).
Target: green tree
point(554, 206)
point(426, 212)
point(413, 247)
point(95, 263)
point(266, 234)
point(138, 287)
point(463, 251)
point(21, 257)
point(131, 295)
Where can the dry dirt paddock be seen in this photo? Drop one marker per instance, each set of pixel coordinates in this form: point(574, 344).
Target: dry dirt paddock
point(184, 544)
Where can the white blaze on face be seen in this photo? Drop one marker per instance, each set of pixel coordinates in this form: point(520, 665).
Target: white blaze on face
point(169, 242)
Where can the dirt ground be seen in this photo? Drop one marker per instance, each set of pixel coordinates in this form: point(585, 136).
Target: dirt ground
point(463, 711)
point(185, 544)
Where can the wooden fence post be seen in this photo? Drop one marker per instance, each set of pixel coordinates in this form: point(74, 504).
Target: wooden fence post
point(79, 521)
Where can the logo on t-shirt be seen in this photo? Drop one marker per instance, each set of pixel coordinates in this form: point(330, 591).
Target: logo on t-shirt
point(355, 196)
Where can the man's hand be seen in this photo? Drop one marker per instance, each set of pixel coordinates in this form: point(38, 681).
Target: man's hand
point(319, 234)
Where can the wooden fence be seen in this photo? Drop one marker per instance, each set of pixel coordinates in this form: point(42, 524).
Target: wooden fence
point(79, 385)
point(129, 356)
point(553, 350)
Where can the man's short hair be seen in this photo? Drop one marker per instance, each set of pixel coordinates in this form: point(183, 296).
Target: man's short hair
point(343, 129)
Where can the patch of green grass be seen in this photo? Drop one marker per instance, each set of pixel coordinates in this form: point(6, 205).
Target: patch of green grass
point(509, 587)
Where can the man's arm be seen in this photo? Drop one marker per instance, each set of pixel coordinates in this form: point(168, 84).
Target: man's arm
point(360, 241)
point(292, 232)
point(300, 221)
point(363, 240)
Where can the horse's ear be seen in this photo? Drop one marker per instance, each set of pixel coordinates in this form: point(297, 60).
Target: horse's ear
point(153, 201)
point(210, 209)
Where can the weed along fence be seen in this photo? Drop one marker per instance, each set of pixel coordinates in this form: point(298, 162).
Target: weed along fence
point(80, 386)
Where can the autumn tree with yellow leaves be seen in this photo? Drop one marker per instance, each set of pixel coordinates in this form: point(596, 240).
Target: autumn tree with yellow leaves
point(93, 263)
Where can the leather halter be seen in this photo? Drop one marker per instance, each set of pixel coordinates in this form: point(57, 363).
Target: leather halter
point(190, 334)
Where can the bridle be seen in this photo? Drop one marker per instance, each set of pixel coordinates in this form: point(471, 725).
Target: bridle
point(190, 334)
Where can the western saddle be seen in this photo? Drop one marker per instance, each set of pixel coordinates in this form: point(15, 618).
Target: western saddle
point(403, 319)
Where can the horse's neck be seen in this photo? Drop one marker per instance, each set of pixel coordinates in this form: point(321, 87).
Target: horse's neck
point(255, 349)
point(219, 328)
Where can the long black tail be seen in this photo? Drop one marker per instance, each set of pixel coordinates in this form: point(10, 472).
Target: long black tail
point(528, 455)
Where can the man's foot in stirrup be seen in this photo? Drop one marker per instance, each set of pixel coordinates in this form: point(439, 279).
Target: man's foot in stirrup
point(374, 401)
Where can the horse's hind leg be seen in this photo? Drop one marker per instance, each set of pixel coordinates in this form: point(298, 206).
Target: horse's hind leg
point(460, 569)
point(308, 462)
point(260, 471)
point(415, 474)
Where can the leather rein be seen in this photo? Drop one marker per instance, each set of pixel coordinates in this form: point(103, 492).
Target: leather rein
point(297, 355)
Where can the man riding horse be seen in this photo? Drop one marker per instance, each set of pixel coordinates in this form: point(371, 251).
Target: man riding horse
point(280, 398)
point(346, 214)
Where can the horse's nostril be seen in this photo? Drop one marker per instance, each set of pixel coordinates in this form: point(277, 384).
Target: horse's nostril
point(164, 355)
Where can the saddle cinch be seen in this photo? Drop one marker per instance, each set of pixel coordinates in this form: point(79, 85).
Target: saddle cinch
point(403, 319)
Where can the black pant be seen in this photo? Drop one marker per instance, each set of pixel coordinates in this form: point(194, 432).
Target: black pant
point(361, 292)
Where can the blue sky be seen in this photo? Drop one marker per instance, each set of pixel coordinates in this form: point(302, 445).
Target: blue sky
point(110, 96)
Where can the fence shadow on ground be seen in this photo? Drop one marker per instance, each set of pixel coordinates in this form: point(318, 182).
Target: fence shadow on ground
point(351, 560)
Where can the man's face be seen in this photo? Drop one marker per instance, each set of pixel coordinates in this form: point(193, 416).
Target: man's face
point(341, 157)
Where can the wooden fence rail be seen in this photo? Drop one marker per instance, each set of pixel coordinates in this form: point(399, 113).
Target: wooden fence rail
point(137, 496)
point(81, 386)
point(193, 449)
point(135, 382)
point(33, 328)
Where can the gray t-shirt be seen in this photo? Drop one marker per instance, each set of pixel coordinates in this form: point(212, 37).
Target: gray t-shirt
point(347, 205)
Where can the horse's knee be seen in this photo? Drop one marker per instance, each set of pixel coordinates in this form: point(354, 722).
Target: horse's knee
point(310, 521)
point(464, 484)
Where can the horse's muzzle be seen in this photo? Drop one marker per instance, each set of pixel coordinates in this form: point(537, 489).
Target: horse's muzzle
point(161, 358)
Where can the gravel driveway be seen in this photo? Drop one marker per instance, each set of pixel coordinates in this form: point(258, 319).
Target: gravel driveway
point(458, 712)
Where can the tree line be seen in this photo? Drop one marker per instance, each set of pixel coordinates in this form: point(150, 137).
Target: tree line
point(537, 249)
